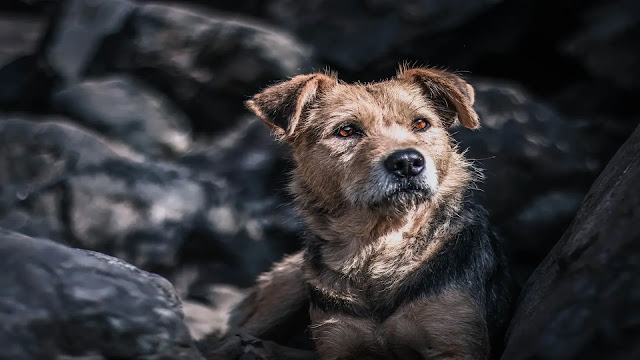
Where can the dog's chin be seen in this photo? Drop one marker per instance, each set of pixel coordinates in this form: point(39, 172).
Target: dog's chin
point(402, 199)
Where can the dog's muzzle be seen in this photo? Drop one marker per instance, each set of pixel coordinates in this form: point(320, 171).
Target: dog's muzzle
point(401, 179)
point(404, 178)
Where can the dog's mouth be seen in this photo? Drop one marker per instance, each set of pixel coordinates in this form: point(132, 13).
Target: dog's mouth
point(404, 195)
point(410, 190)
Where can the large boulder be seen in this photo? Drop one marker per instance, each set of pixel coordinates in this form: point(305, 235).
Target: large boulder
point(582, 302)
point(57, 302)
point(124, 109)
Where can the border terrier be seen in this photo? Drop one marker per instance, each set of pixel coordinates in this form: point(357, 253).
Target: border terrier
point(399, 262)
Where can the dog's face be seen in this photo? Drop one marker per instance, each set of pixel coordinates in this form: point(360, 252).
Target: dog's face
point(383, 146)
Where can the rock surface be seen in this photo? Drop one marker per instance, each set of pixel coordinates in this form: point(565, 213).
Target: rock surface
point(59, 303)
point(65, 183)
point(352, 34)
point(206, 63)
point(583, 301)
point(127, 111)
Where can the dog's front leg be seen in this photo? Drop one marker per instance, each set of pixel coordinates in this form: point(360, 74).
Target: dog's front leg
point(277, 306)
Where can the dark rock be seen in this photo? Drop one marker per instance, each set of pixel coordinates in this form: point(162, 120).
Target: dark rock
point(537, 165)
point(19, 35)
point(248, 156)
point(353, 34)
point(25, 85)
point(29, 6)
point(606, 41)
point(196, 228)
point(36, 155)
point(57, 302)
point(127, 111)
point(77, 32)
point(583, 302)
point(259, 225)
point(95, 195)
point(208, 64)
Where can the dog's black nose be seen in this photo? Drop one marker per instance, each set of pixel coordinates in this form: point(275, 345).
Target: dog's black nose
point(405, 163)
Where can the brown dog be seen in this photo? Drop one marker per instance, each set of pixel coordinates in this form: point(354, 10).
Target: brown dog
point(398, 262)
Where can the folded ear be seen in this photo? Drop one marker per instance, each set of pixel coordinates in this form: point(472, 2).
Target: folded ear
point(457, 93)
point(282, 105)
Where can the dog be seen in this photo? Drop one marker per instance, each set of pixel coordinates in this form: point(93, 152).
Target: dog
point(398, 262)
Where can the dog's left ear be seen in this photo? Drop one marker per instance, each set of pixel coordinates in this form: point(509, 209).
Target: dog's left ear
point(457, 93)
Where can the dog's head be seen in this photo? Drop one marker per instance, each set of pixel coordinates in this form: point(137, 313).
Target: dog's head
point(383, 146)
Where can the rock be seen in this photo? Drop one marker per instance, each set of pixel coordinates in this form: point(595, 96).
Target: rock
point(75, 35)
point(354, 34)
point(248, 156)
point(207, 63)
point(583, 300)
point(59, 303)
point(36, 155)
point(125, 110)
point(255, 167)
point(537, 164)
point(197, 229)
point(19, 35)
point(25, 85)
point(94, 195)
point(605, 42)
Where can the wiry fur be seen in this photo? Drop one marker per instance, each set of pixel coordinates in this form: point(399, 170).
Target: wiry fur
point(392, 268)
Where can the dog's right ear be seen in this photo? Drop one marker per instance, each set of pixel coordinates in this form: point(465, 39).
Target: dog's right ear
point(282, 105)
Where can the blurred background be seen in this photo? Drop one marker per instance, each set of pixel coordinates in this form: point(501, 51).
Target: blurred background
point(122, 127)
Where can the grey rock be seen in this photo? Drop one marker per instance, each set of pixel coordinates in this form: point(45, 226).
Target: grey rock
point(93, 194)
point(353, 34)
point(193, 226)
point(57, 303)
point(76, 34)
point(19, 35)
point(35, 155)
point(582, 302)
point(605, 42)
point(207, 63)
point(125, 110)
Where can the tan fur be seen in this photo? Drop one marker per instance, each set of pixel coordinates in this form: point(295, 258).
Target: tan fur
point(369, 248)
point(447, 326)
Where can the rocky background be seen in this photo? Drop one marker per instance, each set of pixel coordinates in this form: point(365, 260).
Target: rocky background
point(122, 132)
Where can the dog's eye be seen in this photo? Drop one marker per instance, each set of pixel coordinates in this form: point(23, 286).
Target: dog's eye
point(346, 131)
point(420, 125)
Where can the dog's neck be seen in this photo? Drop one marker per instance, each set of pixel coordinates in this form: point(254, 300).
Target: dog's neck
point(353, 238)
